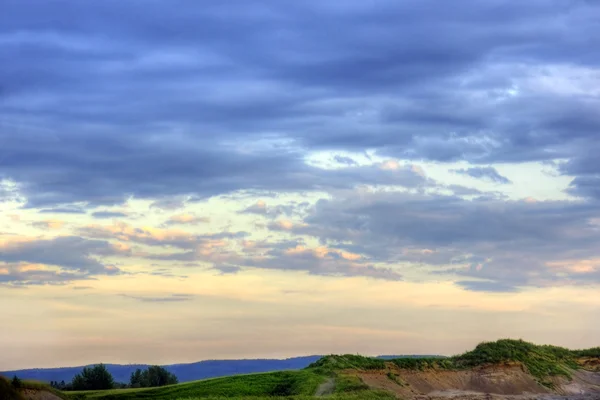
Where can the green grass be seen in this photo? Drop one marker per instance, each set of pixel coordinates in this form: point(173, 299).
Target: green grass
point(349, 384)
point(284, 383)
point(594, 352)
point(349, 387)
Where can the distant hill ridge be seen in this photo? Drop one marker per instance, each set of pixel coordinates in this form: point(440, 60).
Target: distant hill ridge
point(184, 372)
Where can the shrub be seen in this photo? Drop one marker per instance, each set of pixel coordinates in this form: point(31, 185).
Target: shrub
point(16, 382)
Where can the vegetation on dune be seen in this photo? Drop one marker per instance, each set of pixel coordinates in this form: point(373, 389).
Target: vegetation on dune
point(331, 363)
point(422, 364)
point(593, 352)
point(16, 382)
point(13, 389)
point(394, 377)
point(274, 384)
point(8, 391)
point(541, 361)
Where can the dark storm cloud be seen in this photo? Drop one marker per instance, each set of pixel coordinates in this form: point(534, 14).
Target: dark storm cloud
point(106, 100)
point(485, 173)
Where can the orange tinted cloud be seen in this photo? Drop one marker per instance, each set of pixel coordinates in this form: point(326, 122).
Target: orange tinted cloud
point(50, 224)
point(322, 252)
point(187, 218)
point(576, 266)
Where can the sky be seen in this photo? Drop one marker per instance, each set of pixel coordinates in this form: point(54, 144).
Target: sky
point(186, 180)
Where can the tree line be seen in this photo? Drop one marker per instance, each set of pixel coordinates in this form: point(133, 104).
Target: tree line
point(98, 377)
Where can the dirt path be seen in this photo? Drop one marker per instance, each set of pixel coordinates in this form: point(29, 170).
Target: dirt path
point(325, 388)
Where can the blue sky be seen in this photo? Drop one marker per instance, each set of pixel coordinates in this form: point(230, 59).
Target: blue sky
point(187, 180)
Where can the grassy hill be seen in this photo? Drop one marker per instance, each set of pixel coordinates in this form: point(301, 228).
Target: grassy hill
point(283, 383)
point(542, 362)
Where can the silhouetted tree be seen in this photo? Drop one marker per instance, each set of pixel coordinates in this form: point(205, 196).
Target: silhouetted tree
point(152, 377)
point(135, 381)
point(93, 378)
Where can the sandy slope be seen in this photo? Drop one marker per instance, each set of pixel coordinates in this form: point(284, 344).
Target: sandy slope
point(509, 381)
point(39, 395)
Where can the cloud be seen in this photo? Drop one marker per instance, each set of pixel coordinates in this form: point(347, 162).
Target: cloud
point(186, 219)
point(51, 224)
point(169, 203)
point(483, 286)
point(109, 214)
point(484, 85)
point(227, 269)
point(485, 173)
point(179, 123)
point(157, 236)
point(345, 160)
point(270, 211)
point(506, 243)
point(25, 274)
point(172, 298)
point(260, 208)
point(284, 255)
point(463, 190)
point(71, 253)
point(63, 210)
